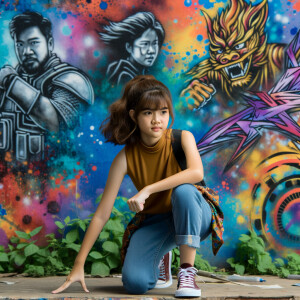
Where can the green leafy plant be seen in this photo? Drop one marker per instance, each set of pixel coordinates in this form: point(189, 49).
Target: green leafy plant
point(21, 251)
point(292, 265)
point(106, 256)
point(252, 258)
point(57, 257)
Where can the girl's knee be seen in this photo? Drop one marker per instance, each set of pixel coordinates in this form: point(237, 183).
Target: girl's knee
point(183, 192)
point(135, 283)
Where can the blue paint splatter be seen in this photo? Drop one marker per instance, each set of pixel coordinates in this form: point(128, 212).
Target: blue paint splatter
point(64, 16)
point(279, 31)
point(187, 3)
point(2, 211)
point(66, 30)
point(294, 30)
point(244, 186)
point(188, 53)
point(96, 53)
point(199, 37)
point(207, 4)
point(230, 103)
point(103, 5)
point(175, 21)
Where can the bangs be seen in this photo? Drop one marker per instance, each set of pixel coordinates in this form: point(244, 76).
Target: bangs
point(154, 100)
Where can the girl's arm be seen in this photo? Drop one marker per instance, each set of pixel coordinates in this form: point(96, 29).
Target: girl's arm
point(193, 174)
point(116, 174)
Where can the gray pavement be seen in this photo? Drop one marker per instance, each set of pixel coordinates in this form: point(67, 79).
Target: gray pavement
point(111, 288)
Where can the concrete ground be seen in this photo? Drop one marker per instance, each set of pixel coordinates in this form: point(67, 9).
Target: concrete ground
point(111, 288)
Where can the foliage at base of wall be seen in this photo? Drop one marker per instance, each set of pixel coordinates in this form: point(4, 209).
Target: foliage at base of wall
point(57, 258)
point(252, 258)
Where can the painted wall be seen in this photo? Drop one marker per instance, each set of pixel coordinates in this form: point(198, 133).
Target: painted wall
point(234, 82)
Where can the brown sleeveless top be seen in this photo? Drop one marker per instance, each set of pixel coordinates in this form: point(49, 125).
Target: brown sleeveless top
point(147, 165)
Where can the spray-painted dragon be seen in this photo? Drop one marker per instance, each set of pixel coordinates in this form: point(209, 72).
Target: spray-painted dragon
point(240, 57)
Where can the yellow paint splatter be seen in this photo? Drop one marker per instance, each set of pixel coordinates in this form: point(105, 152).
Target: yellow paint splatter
point(240, 219)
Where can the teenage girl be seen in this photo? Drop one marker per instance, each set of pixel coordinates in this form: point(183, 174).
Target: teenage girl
point(170, 210)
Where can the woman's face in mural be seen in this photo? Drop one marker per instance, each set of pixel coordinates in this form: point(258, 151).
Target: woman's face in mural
point(32, 49)
point(144, 49)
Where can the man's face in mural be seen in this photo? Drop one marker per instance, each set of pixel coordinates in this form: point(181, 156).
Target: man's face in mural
point(32, 49)
point(144, 49)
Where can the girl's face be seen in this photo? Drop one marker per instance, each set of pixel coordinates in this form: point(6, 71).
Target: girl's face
point(145, 48)
point(152, 124)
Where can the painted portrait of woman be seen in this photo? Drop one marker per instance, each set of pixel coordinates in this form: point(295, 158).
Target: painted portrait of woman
point(137, 39)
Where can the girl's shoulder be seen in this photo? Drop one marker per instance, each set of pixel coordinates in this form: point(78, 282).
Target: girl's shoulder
point(179, 132)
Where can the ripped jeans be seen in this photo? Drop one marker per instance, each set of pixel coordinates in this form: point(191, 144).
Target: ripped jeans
point(187, 224)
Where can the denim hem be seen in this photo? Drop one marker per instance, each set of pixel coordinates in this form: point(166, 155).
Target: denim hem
point(190, 240)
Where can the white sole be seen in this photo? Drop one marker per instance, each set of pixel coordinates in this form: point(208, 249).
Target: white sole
point(182, 293)
point(162, 284)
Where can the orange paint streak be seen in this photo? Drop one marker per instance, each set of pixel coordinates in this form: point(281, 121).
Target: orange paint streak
point(296, 6)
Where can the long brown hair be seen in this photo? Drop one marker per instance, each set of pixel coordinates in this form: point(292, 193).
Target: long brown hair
point(140, 92)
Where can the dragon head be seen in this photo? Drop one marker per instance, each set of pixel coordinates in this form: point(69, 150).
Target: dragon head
point(238, 42)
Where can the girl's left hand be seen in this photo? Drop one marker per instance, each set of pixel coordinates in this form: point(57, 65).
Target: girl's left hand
point(136, 203)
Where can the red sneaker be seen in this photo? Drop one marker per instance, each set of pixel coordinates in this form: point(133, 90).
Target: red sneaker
point(187, 286)
point(165, 276)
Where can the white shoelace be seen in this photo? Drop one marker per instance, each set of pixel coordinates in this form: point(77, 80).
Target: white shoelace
point(186, 277)
point(162, 273)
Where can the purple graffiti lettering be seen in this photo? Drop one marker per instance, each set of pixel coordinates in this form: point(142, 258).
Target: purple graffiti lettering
point(264, 111)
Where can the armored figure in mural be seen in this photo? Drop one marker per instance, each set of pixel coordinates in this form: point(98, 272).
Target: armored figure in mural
point(240, 57)
point(138, 39)
point(41, 94)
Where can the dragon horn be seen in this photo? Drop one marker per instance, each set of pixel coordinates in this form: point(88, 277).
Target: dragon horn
point(208, 22)
point(262, 9)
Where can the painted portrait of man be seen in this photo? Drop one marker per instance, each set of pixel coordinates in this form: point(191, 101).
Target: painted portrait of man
point(41, 94)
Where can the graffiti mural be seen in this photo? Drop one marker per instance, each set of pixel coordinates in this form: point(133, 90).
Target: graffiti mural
point(232, 67)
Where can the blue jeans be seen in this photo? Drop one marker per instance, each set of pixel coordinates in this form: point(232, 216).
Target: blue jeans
point(187, 224)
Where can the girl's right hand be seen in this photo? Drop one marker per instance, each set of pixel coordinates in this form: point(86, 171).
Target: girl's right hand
point(76, 275)
point(136, 203)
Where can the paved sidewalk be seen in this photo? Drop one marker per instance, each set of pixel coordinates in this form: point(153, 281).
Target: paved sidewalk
point(111, 287)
